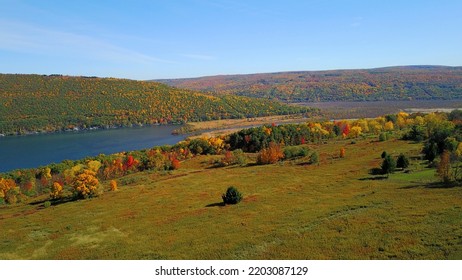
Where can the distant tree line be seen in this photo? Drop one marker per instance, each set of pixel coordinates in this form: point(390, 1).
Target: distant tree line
point(393, 83)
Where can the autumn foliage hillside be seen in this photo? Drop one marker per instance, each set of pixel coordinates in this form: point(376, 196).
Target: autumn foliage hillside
point(392, 83)
point(50, 103)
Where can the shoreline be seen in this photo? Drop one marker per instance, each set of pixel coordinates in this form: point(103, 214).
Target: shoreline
point(228, 126)
point(82, 130)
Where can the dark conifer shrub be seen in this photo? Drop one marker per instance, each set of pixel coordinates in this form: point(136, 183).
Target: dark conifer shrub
point(232, 196)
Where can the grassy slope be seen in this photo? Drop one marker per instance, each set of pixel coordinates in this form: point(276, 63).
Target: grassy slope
point(290, 211)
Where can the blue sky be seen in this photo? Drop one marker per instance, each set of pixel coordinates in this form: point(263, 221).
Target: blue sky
point(191, 38)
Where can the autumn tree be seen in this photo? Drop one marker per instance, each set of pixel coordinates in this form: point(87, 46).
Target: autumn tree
point(345, 129)
point(113, 185)
point(342, 152)
point(85, 184)
point(175, 163)
point(8, 191)
point(389, 126)
point(56, 191)
point(45, 176)
point(355, 131)
point(269, 155)
point(113, 168)
point(130, 163)
point(94, 165)
point(228, 159)
point(444, 167)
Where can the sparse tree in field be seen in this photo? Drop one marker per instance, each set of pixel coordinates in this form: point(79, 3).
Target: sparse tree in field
point(402, 161)
point(113, 185)
point(342, 152)
point(388, 165)
point(444, 167)
point(430, 151)
point(232, 196)
point(383, 136)
point(314, 158)
point(272, 154)
point(228, 159)
point(384, 154)
point(239, 157)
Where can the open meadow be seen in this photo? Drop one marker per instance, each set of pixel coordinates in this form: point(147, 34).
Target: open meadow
point(291, 210)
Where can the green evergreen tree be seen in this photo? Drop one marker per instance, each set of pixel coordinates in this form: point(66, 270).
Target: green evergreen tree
point(388, 165)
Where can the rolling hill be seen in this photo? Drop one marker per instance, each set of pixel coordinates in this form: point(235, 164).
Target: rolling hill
point(391, 83)
point(30, 103)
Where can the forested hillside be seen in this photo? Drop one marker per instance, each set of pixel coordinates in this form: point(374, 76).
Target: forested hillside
point(392, 83)
point(50, 103)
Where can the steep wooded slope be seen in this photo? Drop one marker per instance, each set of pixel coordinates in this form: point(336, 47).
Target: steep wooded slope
point(51, 103)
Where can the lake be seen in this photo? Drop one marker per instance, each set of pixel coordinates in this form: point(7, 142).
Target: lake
point(42, 149)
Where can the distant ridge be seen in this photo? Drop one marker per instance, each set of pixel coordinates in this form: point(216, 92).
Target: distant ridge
point(420, 82)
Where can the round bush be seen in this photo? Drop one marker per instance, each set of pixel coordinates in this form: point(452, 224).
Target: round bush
point(232, 196)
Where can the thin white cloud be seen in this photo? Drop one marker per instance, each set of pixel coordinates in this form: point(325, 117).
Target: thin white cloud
point(23, 37)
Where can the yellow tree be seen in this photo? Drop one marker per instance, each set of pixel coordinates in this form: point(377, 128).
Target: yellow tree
point(401, 120)
point(56, 191)
point(374, 126)
point(355, 131)
point(444, 167)
point(363, 124)
point(389, 126)
point(85, 184)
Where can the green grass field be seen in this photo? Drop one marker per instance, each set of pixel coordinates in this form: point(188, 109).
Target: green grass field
point(291, 210)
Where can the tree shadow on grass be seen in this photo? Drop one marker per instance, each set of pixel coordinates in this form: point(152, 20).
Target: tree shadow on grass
point(54, 202)
point(433, 185)
point(376, 171)
point(373, 178)
point(377, 175)
point(217, 204)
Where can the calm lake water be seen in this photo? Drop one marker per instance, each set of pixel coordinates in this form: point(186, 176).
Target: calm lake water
point(37, 150)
